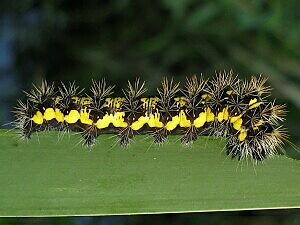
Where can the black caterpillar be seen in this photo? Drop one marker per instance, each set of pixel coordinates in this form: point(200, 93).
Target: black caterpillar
point(223, 106)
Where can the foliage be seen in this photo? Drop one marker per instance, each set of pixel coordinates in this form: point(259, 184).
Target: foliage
point(49, 177)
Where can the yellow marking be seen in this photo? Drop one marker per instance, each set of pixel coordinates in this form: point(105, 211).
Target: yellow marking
point(85, 100)
point(220, 116)
point(180, 101)
point(118, 102)
point(252, 101)
point(114, 102)
point(75, 99)
point(206, 97)
point(72, 117)
point(242, 135)
point(38, 118)
point(81, 100)
point(200, 121)
point(171, 125)
point(206, 116)
point(223, 115)
point(259, 123)
point(149, 102)
point(139, 123)
point(229, 92)
point(118, 120)
point(57, 99)
point(84, 117)
point(153, 101)
point(105, 121)
point(238, 124)
point(256, 125)
point(145, 102)
point(49, 114)
point(209, 115)
point(59, 116)
point(184, 122)
point(235, 118)
point(154, 120)
point(254, 104)
point(180, 120)
point(109, 102)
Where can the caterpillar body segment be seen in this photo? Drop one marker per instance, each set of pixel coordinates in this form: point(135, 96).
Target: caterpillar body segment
point(223, 106)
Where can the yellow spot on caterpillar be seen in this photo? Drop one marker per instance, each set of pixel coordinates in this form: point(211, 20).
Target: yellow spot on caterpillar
point(184, 122)
point(139, 123)
point(229, 92)
point(118, 120)
point(223, 115)
point(235, 118)
point(180, 101)
point(200, 121)
point(171, 125)
point(85, 100)
point(242, 135)
point(72, 117)
point(154, 120)
point(109, 102)
point(254, 104)
point(84, 117)
point(114, 102)
point(259, 123)
point(49, 114)
point(75, 99)
point(209, 115)
point(145, 102)
point(81, 100)
point(180, 120)
point(238, 124)
point(206, 116)
point(252, 101)
point(149, 102)
point(59, 116)
point(220, 116)
point(38, 118)
point(153, 101)
point(105, 121)
point(206, 97)
point(57, 99)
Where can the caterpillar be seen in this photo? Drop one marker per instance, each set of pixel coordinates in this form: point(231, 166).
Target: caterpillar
point(224, 106)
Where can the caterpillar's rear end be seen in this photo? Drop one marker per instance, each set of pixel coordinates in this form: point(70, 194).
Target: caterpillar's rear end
point(223, 106)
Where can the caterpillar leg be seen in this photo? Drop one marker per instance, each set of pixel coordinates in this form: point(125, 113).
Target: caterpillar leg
point(159, 136)
point(189, 136)
point(89, 135)
point(23, 123)
point(125, 136)
point(234, 149)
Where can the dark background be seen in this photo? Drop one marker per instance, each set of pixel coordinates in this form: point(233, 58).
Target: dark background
point(121, 40)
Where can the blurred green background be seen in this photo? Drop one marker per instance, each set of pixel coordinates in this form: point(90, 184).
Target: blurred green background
point(123, 39)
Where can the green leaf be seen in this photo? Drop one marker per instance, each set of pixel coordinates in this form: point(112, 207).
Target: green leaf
point(48, 177)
